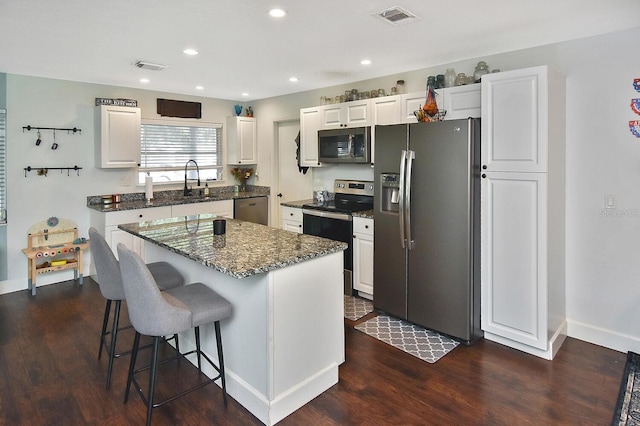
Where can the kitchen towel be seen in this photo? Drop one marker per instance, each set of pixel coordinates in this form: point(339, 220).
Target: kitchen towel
point(148, 187)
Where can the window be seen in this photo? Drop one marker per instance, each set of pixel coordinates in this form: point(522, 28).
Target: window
point(3, 168)
point(167, 146)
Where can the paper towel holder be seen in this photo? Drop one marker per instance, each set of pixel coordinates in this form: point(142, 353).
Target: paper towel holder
point(148, 187)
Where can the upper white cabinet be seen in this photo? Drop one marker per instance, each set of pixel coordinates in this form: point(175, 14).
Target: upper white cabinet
point(348, 114)
point(458, 102)
point(117, 134)
point(523, 210)
point(242, 143)
point(461, 101)
point(386, 110)
point(310, 123)
point(515, 115)
point(412, 102)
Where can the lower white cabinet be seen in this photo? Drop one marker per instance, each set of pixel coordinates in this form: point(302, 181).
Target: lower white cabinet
point(107, 225)
point(363, 255)
point(291, 219)
point(522, 271)
point(219, 208)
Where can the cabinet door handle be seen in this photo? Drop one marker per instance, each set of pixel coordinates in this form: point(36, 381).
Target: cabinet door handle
point(366, 227)
point(139, 215)
point(484, 167)
point(354, 237)
point(484, 175)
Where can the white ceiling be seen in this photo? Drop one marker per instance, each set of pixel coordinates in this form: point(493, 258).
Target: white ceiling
point(243, 49)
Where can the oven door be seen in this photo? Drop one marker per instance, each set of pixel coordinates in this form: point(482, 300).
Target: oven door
point(334, 226)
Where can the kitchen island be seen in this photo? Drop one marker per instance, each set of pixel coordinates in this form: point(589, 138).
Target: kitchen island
point(285, 339)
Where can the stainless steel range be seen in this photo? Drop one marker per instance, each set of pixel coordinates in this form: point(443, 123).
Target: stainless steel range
point(333, 218)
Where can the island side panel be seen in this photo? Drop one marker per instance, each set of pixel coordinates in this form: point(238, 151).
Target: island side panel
point(308, 331)
point(274, 364)
point(244, 335)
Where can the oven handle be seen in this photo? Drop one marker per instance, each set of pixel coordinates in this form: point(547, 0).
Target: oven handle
point(330, 215)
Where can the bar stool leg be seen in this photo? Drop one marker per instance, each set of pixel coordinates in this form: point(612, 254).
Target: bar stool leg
point(114, 337)
point(152, 379)
point(197, 331)
point(221, 361)
point(132, 365)
point(105, 321)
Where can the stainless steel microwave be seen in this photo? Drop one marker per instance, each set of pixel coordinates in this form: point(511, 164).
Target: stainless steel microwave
point(344, 145)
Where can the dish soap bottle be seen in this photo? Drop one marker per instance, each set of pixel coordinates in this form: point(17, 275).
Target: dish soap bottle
point(206, 189)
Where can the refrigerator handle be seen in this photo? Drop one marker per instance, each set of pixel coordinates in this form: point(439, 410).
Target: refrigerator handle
point(401, 201)
point(407, 211)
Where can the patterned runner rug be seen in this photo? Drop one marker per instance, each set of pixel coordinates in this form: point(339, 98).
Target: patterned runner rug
point(420, 342)
point(356, 307)
point(628, 407)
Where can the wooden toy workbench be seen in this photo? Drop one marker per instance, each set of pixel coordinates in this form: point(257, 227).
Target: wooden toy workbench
point(52, 250)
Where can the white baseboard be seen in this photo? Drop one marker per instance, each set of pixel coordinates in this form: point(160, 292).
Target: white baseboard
point(603, 337)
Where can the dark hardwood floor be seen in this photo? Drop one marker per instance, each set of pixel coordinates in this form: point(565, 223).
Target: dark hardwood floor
point(50, 375)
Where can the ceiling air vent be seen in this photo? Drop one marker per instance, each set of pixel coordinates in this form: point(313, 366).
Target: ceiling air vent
point(396, 16)
point(150, 66)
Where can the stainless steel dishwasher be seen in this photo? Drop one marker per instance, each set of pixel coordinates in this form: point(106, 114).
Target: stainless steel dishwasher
point(255, 209)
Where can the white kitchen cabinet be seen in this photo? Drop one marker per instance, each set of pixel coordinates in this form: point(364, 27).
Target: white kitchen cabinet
point(523, 210)
point(242, 142)
point(347, 114)
point(219, 208)
point(412, 102)
point(363, 255)
point(458, 102)
point(461, 101)
point(387, 110)
point(310, 123)
point(117, 136)
point(291, 219)
point(107, 225)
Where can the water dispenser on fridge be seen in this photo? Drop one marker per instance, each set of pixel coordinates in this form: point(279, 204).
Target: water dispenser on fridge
point(389, 192)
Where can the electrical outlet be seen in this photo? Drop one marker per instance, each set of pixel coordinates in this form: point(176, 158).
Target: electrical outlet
point(610, 201)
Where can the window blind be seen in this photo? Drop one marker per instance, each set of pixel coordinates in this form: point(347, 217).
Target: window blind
point(169, 146)
point(3, 168)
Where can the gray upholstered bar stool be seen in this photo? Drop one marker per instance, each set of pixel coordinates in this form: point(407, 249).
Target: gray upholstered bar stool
point(110, 281)
point(154, 313)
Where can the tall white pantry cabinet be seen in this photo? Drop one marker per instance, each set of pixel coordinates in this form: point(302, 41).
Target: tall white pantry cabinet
point(523, 210)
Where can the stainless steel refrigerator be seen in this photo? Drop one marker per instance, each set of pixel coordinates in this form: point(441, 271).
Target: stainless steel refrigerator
point(427, 225)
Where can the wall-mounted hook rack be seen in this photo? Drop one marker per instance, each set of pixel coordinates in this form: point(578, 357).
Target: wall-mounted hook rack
point(29, 128)
point(42, 171)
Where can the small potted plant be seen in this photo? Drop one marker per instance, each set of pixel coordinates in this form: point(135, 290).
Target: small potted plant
point(241, 174)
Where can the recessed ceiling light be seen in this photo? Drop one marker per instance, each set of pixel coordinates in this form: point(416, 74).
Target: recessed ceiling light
point(199, 88)
point(191, 52)
point(293, 79)
point(366, 62)
point(245, 94)
point(144, 80)
point(277, 13)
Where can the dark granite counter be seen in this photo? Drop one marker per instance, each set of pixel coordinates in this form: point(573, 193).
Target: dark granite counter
point(368, 214)
point(246, 249)
point(299, 203)
point(173, 197)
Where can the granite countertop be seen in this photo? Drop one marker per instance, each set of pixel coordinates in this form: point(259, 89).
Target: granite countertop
point(299, 203)
point(173, 197)
point(246, 249)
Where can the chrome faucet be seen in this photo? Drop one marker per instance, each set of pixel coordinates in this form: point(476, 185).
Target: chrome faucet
point(188, 191)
